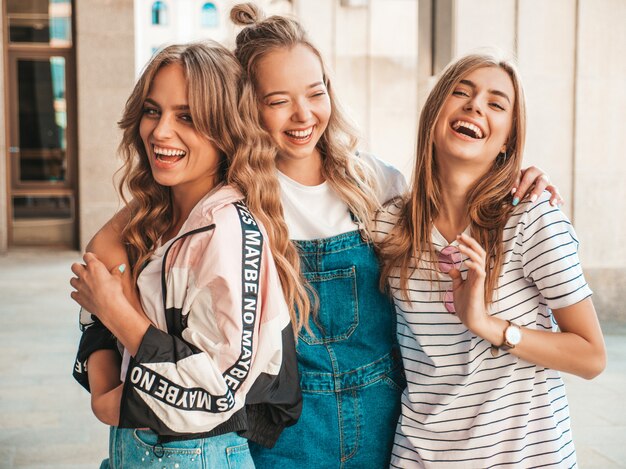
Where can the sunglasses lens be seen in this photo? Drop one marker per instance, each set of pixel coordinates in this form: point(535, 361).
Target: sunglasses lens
point(449, 258)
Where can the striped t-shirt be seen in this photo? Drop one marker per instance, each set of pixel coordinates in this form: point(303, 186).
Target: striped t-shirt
point(463, 408)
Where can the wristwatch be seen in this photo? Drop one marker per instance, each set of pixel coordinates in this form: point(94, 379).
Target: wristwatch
point(512, 337)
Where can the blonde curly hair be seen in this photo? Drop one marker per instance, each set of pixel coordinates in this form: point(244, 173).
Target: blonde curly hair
point(223, 109)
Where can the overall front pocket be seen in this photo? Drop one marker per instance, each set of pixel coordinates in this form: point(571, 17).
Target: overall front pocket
point(338, 313)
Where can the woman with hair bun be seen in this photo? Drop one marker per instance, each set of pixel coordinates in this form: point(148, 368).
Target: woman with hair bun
point(348, 359)
point(208, 358)
point(348, 356)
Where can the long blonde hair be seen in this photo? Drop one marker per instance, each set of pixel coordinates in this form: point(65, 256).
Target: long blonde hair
point(488, 201)
point(223, 110)
point(345, 172)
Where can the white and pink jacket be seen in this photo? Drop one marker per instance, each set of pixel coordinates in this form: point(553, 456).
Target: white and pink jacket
point(220, 356)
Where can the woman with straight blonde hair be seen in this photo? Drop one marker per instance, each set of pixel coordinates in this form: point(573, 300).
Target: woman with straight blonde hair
point(480, 285)
point(208, 352)
point(349, 363)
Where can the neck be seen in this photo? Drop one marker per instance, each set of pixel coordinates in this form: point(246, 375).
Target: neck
point(184, 199)
point(306, 171)
point(455, 183)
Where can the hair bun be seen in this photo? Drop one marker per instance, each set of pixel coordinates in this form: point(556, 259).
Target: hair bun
point(245, 14)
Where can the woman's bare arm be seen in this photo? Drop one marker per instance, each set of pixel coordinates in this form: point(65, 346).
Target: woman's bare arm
point(104, 365)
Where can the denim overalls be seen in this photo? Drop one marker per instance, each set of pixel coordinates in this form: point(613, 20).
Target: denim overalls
point(351, 374)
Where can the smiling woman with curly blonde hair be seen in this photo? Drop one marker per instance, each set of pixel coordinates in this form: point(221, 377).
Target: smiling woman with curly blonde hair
point(208, 358)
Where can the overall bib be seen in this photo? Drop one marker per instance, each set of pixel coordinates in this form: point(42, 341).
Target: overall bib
point(350, 368)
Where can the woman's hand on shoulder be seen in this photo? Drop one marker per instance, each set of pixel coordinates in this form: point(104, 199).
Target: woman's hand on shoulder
point(101, 293)
point(531, 182)
point(109, 248)
point(96, 289)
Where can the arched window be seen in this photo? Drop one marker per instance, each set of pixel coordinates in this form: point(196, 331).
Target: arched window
point(210, 17)
point(159, 13)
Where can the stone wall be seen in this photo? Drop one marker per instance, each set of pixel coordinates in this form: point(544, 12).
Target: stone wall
point(105, 76)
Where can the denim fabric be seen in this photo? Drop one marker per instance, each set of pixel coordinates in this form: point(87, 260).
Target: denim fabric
point(132, 448)
point(350, 368)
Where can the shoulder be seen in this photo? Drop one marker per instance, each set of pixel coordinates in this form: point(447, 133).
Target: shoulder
point(387, 218)
point(383, 168)
point(107, 243)
point(234, 222)
point(391, 181)
point(225, 207)
point(532, 216)
point(539, 225)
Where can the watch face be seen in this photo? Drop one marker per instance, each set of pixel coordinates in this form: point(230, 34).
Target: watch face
point(513, 335)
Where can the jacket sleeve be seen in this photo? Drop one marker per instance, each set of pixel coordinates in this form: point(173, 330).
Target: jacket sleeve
point(94, 337)
point(221, 335)
point(275, 401)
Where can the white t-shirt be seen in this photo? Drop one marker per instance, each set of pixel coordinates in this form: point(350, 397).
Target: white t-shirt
point(463, 408)
point(316, 212)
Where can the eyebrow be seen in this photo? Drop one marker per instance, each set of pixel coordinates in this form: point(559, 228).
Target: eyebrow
point(179, 107)
point(472, 85)
point(313, 85)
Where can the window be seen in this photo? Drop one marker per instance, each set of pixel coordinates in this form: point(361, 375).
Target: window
point(210, 18)
point(159, 13)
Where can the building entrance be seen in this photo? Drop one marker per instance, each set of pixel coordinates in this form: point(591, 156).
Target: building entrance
point(41, 124)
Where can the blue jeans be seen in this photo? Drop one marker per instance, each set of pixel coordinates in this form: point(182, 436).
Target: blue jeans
point(130, 448)
point(350, 370)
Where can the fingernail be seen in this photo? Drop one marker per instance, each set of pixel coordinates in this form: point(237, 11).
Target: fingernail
point(122, 268)
point(533, 198)
point(515, 201)
point(514, 190)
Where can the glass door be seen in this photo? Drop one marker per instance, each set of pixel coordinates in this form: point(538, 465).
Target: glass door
point(42, 149)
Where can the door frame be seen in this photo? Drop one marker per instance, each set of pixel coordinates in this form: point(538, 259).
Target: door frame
point(12, 52)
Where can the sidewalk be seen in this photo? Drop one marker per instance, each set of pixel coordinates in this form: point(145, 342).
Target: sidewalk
point(45, 417)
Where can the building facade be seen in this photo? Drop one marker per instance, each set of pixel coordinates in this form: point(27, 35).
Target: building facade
point(70, 65)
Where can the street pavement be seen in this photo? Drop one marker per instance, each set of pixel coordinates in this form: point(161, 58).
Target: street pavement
point(45, 416)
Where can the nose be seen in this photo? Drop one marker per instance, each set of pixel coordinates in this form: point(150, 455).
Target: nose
point(302, 111)
point(163, 128)
point(473, 105)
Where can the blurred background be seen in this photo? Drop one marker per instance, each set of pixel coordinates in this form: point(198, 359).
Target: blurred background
point(69, 65)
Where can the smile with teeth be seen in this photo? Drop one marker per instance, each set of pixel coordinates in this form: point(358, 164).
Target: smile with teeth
point(168, 155)
point(300, 134)
point(467, 128)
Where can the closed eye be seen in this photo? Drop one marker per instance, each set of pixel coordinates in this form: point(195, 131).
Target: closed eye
point(460, 93)
point(498, 106)
point(278, 103)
